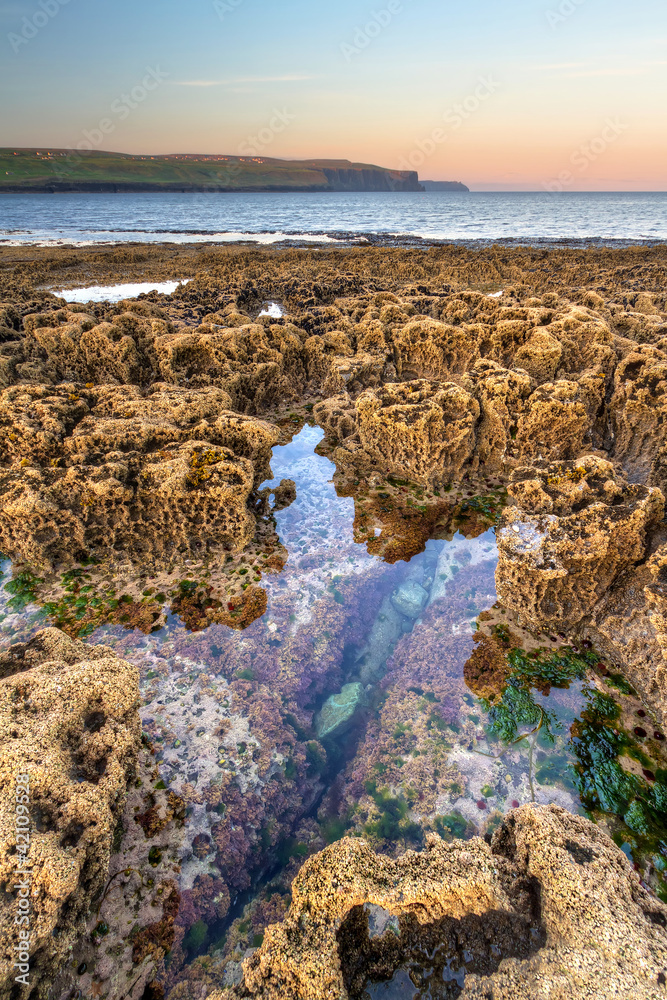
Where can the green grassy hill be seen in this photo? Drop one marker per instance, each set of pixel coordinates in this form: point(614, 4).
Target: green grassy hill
point(67, 170)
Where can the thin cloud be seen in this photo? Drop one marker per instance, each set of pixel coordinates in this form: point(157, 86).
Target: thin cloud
point(550, 66)
point(234, 81)
point(629, 71)
point(580, 70)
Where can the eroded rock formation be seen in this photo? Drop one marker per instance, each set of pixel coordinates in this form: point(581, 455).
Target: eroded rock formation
point(582, 549)
point(142, 431)
point(551, 900)
point(94, 471)
point(68, 720)
point(569, 532)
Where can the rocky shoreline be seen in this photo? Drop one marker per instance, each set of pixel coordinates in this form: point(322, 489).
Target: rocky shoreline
point(457, 391)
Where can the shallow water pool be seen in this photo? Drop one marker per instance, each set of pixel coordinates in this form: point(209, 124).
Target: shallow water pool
point(117, 293)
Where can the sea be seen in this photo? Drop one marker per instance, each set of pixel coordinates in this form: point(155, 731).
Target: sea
point(394, 219)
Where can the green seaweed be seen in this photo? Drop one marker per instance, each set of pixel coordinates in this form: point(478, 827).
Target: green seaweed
point(288, 849)
point(334, 829)
point(23, 587)
point(316, 757)
point(619, 682)
point(489, 506)
point(452, 826)
point(516, 709)
point(196, 938)
point(554, 669)
point(392, 823)
point(598, 744)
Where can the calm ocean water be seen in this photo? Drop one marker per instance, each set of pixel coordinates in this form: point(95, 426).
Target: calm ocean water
point(320, 218)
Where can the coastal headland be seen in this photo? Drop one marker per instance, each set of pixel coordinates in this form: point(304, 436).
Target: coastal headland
point(86, 170)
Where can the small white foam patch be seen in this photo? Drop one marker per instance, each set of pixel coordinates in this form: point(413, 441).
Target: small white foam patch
point(116, 293)
point(272, 309)
point(268, 238)
point(495, 295)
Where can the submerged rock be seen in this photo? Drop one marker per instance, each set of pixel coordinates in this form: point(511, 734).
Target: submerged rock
point(386, 629)
point(410, 599)
point(552, 906)
point(338, 711)
point(69, 725)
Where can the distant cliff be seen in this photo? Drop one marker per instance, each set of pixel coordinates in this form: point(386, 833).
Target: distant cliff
point(444, 186)
point(55, 170)
point(359, 178)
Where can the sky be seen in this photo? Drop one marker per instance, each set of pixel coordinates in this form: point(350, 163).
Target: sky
point(519, 95)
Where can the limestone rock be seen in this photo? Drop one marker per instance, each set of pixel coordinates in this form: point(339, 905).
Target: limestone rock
point(68, 720)
point(558, 900)
point(284, 494)
point(77, 348)
point(638, 411)
point(337, 416)
point(540, 356)
point(629, 626)
point(418, 429)
point(119, 470)
point(257, 365)
point(50, 644)
point(557, 421)
point(571, 530)
point(502, 397)
point(426, 349)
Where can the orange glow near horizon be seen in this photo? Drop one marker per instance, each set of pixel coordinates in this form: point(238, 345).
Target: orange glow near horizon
point(514, 96)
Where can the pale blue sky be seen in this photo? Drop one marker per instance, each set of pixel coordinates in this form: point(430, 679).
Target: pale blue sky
point(547, 90)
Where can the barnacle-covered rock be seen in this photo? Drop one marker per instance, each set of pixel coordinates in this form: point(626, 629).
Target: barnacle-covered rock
point(419, 429)
point(96, 471)
point(570, 531)
point(69, 724)
point(516, 914)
